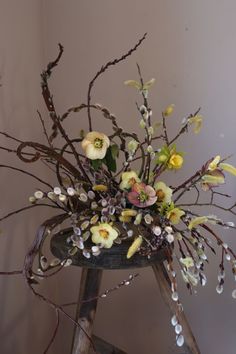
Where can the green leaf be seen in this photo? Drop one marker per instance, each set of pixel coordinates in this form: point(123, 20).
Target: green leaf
point(115, 151)
point(96, 164)
point(110, 161)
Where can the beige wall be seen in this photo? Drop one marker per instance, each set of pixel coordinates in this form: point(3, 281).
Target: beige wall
point(191, 52)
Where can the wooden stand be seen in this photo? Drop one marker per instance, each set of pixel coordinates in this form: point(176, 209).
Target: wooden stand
point(89, 288)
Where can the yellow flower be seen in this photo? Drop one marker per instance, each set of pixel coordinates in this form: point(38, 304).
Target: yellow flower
point(104, 234)
point(100, 188)
point(174, 215)
point(128, 180)
point(197, 221)
point(175, 161)
point(169, 110)
point(95, 145)
point(163, 193)
point(214, 163)
point(197, 121)
point(134, 246)
point(228, 168)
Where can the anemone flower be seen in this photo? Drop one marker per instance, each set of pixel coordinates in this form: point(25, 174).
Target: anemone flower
point(142, 195)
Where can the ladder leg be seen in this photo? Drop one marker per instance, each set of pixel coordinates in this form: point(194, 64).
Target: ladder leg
point(190, 346)
point(85, 314)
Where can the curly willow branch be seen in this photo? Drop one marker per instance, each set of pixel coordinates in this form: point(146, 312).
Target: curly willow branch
point(103, 69)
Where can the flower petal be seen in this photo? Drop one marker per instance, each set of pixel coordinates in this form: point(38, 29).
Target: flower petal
point(134, 247)
point(133, 83)
point(228, 168)
point(197, 221)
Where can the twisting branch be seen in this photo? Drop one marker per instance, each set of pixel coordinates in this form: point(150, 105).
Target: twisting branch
point(103, 69)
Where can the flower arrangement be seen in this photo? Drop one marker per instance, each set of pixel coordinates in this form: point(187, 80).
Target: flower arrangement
point(107, 201)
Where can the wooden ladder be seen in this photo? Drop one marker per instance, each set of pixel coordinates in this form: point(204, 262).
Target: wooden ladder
point(85, 314)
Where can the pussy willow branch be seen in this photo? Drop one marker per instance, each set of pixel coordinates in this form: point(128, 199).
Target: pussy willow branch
point(185, 126)
point(192, 180)
point(106, 292)
point(148, 139)
point(44, 129)
point(52, 111)
point(14, 272)
point(102, 70)
point(11, 137)
point(165, 130)
point(230, 209)
point(26, 208)
point(27, 173)
point(220, 242)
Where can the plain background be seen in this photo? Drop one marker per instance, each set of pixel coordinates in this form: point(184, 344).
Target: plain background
point(191, 51)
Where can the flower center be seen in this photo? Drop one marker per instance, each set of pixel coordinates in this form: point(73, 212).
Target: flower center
point(160, 195)
point(132, 181)
point(98, 143)
point(143, 197)
point(104, 234)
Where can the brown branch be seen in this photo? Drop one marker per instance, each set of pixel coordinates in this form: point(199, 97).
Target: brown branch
point(44, 129)
point(54, 333)
point(25, 208)
point(27, 173)
point(185, 127)
point(102, 70)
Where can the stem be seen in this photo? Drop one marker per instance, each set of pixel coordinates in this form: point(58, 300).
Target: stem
point(102, 70)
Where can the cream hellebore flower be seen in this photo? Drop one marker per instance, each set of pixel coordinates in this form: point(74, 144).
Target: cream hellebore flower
point(163, 193)
point(104, 234)
point(95, 145)
point(128, 179)
point(174, 215)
